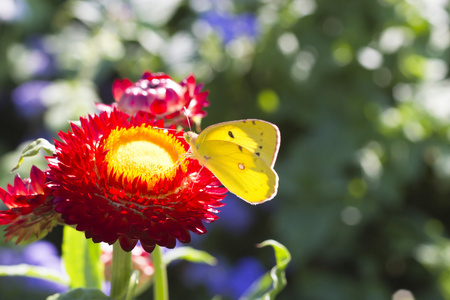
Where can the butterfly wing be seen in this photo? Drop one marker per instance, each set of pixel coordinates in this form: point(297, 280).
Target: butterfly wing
point(259, 137)
point(242, 172)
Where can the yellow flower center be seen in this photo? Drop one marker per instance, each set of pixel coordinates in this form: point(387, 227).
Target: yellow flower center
point(144, 152)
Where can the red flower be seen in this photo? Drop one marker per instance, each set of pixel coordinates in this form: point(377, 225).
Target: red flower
point(30, 215)
point(161, 97)
point(117, 178)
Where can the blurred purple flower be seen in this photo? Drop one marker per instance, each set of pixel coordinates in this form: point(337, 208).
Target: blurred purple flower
point(42, 62)
point(230, 26)
point(27, 98)
point(236, 216)
point(43, 254)
point(223, 279)
point(40, 253)
point(244, 274)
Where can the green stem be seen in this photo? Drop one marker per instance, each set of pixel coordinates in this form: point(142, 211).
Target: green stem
point(121, 272)
point(160, 289)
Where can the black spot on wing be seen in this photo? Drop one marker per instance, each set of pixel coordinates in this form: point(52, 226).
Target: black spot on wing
point(257, 153)
point(253, 122)
point(230, 133)
point(240, 148)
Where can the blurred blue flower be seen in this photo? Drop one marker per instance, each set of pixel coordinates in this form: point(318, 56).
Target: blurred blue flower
point(236, 216)
point(214, 278)
point(43, 254)
point(230, 26)
point(40, 253)
point(27, 98)
point(223, 279)
point(41, 62)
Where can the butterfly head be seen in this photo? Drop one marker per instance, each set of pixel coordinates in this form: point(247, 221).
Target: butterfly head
point(190, 137)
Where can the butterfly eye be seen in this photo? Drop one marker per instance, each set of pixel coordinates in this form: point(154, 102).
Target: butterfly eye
point(187, 137)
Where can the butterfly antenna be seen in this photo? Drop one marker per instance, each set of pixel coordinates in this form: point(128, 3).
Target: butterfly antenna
point(181, 158)
point(187, 113)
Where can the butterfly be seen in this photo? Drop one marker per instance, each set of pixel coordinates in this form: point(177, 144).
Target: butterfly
point(241, 154)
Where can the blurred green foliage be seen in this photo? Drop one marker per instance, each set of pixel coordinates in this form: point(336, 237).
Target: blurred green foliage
point(360, 92)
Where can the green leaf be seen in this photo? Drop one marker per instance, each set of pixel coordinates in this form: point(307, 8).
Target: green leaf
point(80, 294)
point(33, 271)
point(82, 260)
point(33, 149)
point(189, 254)
point(274, 281)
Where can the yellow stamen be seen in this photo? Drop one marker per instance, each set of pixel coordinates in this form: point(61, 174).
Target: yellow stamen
point(143, 152)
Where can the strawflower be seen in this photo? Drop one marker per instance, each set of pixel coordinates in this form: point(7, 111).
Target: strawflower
point(163, 98)
point(118, 178)
point(30, 215)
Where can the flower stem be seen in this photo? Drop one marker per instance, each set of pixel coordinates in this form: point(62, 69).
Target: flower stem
point(160, 289)
point(121, 272)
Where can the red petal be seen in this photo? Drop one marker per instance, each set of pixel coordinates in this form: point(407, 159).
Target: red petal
point(20, 188)
point(158, 107)
point(37, 180)
point(127, 244)
point(119, 87)
point(6, 198)
point(190, 82)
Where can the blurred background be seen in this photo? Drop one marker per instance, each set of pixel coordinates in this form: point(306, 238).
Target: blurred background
point(359, 89)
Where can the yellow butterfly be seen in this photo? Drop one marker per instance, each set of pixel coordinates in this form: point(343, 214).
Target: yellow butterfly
point(241, 154)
